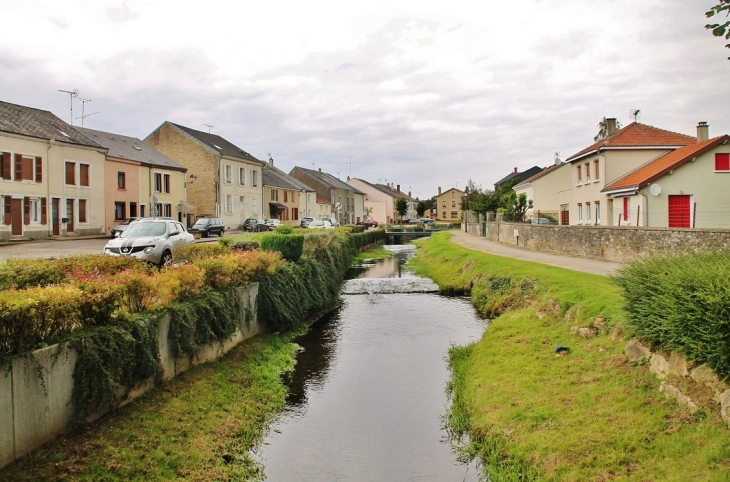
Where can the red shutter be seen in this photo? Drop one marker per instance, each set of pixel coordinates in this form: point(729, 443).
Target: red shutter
point(70, 173)
point(722, 162)
point(626, 209)
point(44, 211)
point(18, 167)
point(8, 216)
point(5, 167)
point(26, 210)
point(38, 169)
point(84, 174)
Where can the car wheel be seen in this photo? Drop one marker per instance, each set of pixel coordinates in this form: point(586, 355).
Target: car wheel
point(166, 259)
point(204, 234)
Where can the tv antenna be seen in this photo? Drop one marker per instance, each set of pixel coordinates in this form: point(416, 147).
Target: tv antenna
point(209, 127)
point(636, 114)
point(83, 108)
point(351, 158)
point(72, 94)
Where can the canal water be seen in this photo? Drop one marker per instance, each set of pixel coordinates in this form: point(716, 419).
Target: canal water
point(367, 397)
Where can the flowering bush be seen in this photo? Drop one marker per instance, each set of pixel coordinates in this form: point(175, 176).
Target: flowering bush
point(238, 267)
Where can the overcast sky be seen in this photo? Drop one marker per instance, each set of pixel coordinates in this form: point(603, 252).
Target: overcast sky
point(419, 93)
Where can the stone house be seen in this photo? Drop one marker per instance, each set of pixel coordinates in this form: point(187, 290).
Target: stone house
point(51, 176)
point(136, 174)
point(448, 205)
point(289, 200)
point(684, 188)
point(347, 202)
point(223, 180)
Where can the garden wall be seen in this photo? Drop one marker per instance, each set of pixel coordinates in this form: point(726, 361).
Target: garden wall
point(35, 394)
point(611, 243)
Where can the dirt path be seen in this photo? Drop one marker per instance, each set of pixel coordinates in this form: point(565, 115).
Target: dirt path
point(588, 265)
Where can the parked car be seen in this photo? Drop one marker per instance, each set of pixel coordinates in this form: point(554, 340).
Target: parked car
point(208, 226)
point(150, 239)
point(367, 223)
point(119, 228)
point(254, 224)
point(272, 223)
point(305, 222)
point(320, 224)
point(426, 220)
point(539, 221)
point(335, 223)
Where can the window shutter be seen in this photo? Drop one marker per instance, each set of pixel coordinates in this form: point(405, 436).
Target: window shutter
point(18, 167)
point(38, 169)
point(44, 210)
point(722, 162)
point(26, 210)
point(84, 181)
point(5, 167)
point(8, 216)
point(70, 173)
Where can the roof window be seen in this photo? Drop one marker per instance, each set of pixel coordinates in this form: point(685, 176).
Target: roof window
point(64, 134)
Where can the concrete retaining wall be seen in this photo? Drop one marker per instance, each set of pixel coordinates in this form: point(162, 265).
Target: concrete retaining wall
point(35, 394)
point(611, 243)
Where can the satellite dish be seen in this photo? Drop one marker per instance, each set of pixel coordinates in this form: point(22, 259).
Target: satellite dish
point(655, 189)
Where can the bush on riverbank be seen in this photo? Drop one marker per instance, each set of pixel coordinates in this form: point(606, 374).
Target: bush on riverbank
point(530, 413)
point(681, 303)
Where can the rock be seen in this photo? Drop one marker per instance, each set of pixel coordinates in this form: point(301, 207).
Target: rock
point(678, 365)
point(705, 376)
point(659, 365)
point(586, 332)
point(636, 351)
point(725, 406)
point(673, 392)
point(599, 323)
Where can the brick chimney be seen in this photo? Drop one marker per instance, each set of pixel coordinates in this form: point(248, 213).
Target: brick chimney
point(703, 131)
point(409, 194)
point(516, 171)
point(610, 126)
point(320, 169)
point(439, 190)
point(398, 188)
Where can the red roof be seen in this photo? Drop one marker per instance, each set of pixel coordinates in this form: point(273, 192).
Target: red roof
point(323, 201)
point(547, 170)
point(638, 135)
point(655, 169)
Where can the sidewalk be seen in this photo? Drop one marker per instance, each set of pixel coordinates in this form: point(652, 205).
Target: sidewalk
point(587, 265)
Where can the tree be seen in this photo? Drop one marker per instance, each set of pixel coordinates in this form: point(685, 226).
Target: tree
point(401, 207)
point(603, 129)
point(720, 29)
point(519, 207)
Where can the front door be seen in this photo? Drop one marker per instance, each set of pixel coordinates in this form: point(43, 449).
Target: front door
point(70, 215)
point(55, 216)
point(16, 216)
point(679, 213)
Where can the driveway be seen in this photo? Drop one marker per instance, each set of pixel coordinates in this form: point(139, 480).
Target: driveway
point(587, 265)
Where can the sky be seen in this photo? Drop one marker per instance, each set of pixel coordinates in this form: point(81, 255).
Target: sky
point(417, 93)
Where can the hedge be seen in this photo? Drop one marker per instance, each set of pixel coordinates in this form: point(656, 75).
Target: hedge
point(289, 245)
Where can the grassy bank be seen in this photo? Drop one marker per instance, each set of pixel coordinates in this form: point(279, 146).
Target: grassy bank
point(586, 414)
point(199, 427)
point(371, 255)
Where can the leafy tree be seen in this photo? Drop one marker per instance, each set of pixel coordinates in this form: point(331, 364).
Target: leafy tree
point(401, 207)
point(720, 29)
point(519, 206)
point(425, 205)
point(603, 129)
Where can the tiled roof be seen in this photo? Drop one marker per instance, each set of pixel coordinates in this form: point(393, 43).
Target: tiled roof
point(41, 124)
point(638, 135)
point(329, 180)
point(323, 201)
point(658, 167)
point(217, 143)
point(394, 192)
point(537, 176)
point(275, 177)
point(125, 147)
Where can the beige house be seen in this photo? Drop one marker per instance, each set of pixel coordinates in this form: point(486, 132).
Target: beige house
point(605, 161)
point(685, 188)
point(51, 176)
point(139, 180)
point(381, 199)
point(346, 201)
point(222, 179)
point(546, 189)
point(323, 209)
point(288, 199)
point(448, 205)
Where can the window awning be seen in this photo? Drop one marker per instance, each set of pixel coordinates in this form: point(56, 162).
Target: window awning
point(277, 206)
point(185, 206)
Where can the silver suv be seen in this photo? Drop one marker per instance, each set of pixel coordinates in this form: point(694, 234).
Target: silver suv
point(151, 239)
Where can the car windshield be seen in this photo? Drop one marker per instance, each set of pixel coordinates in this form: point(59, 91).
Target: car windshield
point(126, 221)
point(317, 223)
point(201, 222)
point(138, 230)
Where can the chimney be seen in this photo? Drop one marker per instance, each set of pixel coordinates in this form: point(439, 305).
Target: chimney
point(703, 131)
point(398, 188)
point(439, 190)
point(348, 178)
point(409, 194)
point(320, 169)
point(610, 126)
point(516, 171)
point(271, 161)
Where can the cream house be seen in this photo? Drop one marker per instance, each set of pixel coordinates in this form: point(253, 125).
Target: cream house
point(51, 176)
point(223, 180)
point(546, 189)
point(288, 199)
point(448, 205)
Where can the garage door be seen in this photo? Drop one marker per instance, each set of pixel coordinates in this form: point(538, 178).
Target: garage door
point(679, 211)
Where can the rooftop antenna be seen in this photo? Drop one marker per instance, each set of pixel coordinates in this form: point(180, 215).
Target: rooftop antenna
point(72, 94)
point(83, 109)
point(636, 114)
point(209, 127)
point(351, 158)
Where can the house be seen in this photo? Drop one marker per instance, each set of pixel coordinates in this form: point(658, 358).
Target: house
point(347, 202)
point(380, 200)
point(223, 180)
point(545, 189)
point(139, 180)
point(323, 209)
point(515, 177)
point(448, 205)
point(51, 176)
point(288, 199)
point(684, 188)
point(608, 159)
point(412, 211)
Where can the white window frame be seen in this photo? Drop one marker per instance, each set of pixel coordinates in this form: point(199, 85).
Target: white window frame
point(580, 213)
point(166, 183)
point(588, 212)
point(227, 173)
point(156, 176)
point(254, 178)
point(597, 205)
point(241, 176)
point(35, 210)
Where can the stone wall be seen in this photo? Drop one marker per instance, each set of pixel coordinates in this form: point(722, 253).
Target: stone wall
point(611, 243)
point(35, 394)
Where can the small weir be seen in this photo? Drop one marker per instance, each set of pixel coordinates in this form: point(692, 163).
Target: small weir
point(367, 397)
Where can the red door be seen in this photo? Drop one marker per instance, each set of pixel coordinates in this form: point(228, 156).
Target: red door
point(679, 211)
point(16, 216)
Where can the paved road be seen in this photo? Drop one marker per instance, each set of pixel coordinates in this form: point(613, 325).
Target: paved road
point(575, 263)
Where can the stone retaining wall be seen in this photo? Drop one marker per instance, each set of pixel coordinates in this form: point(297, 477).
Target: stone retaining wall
point(35, 394)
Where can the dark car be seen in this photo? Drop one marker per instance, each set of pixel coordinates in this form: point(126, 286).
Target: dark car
point(305, 222)
point(253, 224)
point(208, 226)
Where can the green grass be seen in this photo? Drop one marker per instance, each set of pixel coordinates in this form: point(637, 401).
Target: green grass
point(374, 254)
point(530, 414)
point(199, 426)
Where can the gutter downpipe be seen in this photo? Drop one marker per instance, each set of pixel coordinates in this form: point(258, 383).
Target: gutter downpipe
point(646, 208)
point(49, 200)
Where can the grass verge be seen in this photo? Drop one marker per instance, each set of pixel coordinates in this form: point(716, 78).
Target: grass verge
point(375, 254)
point(529, 413)
point(199, 426)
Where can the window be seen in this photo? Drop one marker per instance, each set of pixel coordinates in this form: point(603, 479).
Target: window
point(168, 210)
point(453, 193)
point(588, 172)
point(158, 182)
point(119, 211)
point(82, 207)
point(443, 214)
point(295, 214)
point(453, 204)
point(241, 176)
point(227, 173)
point(595, 170)
point(158, 209)
point(588, 212)
point(71, 173)
point(722, 162)
point(286, 196)
point(254, 178)
point(443, 205)
point(454, 214)
point(580, 174)
point(227, 204)
point(133, 210)
point(627, 206)
point(597, 204)
point(83, 178)
point(26, 169)
point(166, 177)
point(121, 181)
point(142, 209)
point(580, 212)
point(35, 211)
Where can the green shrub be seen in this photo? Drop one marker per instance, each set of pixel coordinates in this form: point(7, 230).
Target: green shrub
point(681, 303)
point(284, 229)
point(193, 252)
point(358, 229)
point(245, 244)
point(289, 245)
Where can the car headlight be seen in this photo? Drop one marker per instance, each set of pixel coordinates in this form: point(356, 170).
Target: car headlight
point(149, 250)
point(107, 251)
